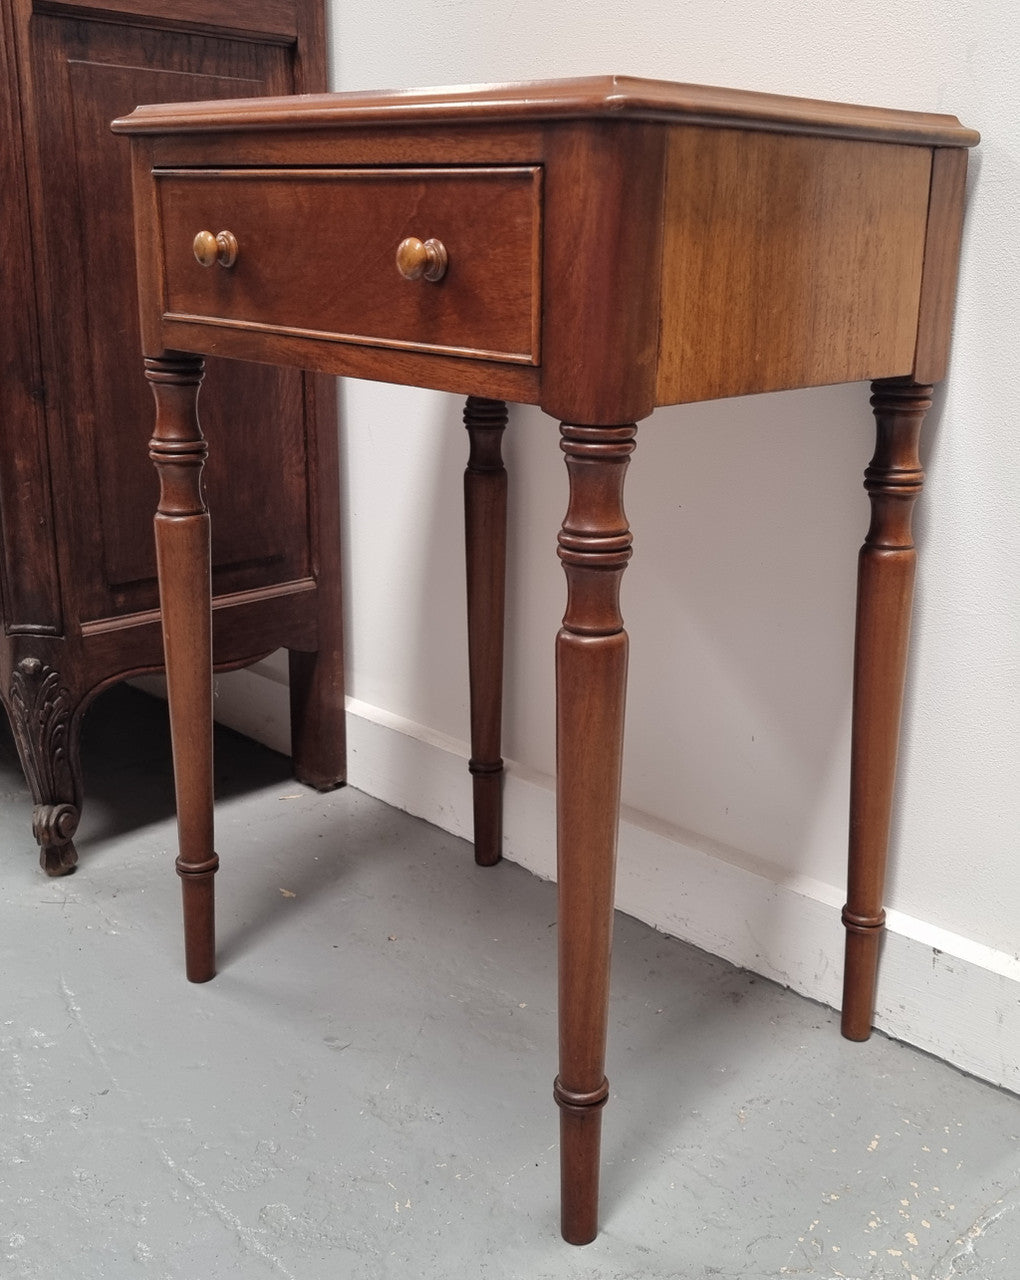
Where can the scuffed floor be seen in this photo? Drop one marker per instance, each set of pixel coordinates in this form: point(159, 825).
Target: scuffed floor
point(365, 1089)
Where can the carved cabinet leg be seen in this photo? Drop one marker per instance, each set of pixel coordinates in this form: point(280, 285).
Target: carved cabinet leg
point(885, 587)
point(46, 732)
point(485, 488)
point(182, 557)
point(591, 674)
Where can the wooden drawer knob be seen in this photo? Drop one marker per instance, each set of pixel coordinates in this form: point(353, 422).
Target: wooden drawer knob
point(210, 249)
point(417, 260)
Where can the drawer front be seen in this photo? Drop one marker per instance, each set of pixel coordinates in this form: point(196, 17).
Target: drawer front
point(317, 248)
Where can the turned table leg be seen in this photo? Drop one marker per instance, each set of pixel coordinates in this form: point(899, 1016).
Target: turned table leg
point(182, 557)
point(591, 675)
point(485, 543)
point(885, 587)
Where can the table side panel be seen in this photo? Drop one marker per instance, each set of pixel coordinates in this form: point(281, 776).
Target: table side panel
point(941, 263)
point(788, 262)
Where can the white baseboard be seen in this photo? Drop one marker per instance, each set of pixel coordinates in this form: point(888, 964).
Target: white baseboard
point(943, 993)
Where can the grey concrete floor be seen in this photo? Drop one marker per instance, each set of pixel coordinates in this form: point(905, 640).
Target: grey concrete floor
point(364, 1090)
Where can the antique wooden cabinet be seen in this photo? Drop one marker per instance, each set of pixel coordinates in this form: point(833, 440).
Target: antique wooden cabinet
point(78, 573)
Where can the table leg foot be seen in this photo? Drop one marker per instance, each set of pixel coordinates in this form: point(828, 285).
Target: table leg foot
point(199, 918)
point(580, 1148)
point(487, 801)
point(860, 974)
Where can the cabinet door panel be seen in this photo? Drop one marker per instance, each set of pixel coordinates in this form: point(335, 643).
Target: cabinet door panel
point(83, 75)
point(29, 586)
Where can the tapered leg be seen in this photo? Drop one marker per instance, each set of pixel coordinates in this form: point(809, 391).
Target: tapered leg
point(182, 558)
point(591, 675)
point(485, 543)
point(885, 586)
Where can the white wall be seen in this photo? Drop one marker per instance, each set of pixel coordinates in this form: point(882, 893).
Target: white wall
point(747, 517)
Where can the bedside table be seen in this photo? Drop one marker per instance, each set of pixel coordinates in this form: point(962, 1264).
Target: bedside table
point(597, 247)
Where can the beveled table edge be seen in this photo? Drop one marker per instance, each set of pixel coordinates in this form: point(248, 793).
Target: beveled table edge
point(590, 97)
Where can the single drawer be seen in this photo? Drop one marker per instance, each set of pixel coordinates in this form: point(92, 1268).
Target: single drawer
point(317, 255)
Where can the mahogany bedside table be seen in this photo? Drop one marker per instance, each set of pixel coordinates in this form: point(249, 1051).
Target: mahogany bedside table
point(597, 247)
